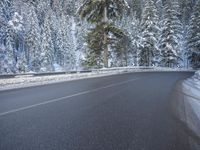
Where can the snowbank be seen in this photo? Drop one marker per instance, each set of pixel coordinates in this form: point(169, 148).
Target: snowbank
point(197, 76)
point(186, 106)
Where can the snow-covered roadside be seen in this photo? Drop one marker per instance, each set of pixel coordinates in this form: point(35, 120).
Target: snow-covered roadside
point(186, 105)
point(140, 68)
point(28, 81)
point(31, 80)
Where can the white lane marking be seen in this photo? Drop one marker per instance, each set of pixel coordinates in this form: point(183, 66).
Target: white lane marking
point(66, 97)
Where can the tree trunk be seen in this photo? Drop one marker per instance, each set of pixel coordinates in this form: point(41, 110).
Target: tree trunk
point(105, 40)
point(105, 51)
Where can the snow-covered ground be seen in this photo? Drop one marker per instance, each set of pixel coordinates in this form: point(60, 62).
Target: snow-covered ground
point(186, 105)
point(21, 81)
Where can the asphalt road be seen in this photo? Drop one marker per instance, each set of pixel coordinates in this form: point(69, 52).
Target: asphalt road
point(120, 112)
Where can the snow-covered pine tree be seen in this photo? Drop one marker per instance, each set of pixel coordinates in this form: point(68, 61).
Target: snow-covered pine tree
point(136, 7)
point(3, 60)
point(122, 52)
point(55, 5)
point(135, 35)
point(92, 59)
point(170, 41)
point(6, 39)
point(54, 23)
point(16, 22)
point(10, 59)
point(82, 28)
point(159, 5)
point(62, 42)
point(149, 51)
point(70, 7)
point(101, 13)
point(6, 8)
point(193, 37)
point(14, 32)
point(2, 15)
point(42, 8)
point(47, 46)
point(22, 63)
point(60, 36)
point(70, 59)
point(186, 7)
point(2, 38)
point(126, 48)
point(33, 39)
point(67, 41)
point(95, 45)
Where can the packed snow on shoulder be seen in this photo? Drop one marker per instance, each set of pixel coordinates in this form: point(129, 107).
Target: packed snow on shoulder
point(197, 76)
point(21, 81)
point(191, 87)
point(186, 104)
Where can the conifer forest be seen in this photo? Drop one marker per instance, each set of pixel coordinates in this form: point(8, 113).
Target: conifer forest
point(62, 35)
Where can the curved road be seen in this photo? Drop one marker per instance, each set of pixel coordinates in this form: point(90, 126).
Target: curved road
point(120, 112)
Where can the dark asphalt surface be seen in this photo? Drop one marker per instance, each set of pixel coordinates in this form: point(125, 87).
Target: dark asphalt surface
point(119, 112)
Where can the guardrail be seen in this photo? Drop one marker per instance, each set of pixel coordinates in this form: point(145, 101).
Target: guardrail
point(7, 76)
point(120, 69)
point(48, 73)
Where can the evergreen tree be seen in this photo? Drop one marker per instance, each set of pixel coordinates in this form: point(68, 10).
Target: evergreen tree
point(53, 22)
point(71, 43)
point(170, 42)
point(149, 52)
point(15, 31)
point(3, 24)
point(42, 8)
point(3, 60)
point(70, 7)
point(55, 5)
point(60, 41)
point(6, 38)
point(6, 9)
point(47, 46)
point(22, 63)
point(126, 48)
point(186, 7)
point(95, 45)
point(194, 37)
point(10, 59)
point(101, 13)
point(136, 7)
point(81, 47)
point(66, 42)
point(122, 51)
point(33, 40)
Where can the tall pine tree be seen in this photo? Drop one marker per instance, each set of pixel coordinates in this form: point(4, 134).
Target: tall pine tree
point(102, 13)
point(33, 38)
point(149, 51)
point(194, 37)
point(170, 42)
point(47, 46)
